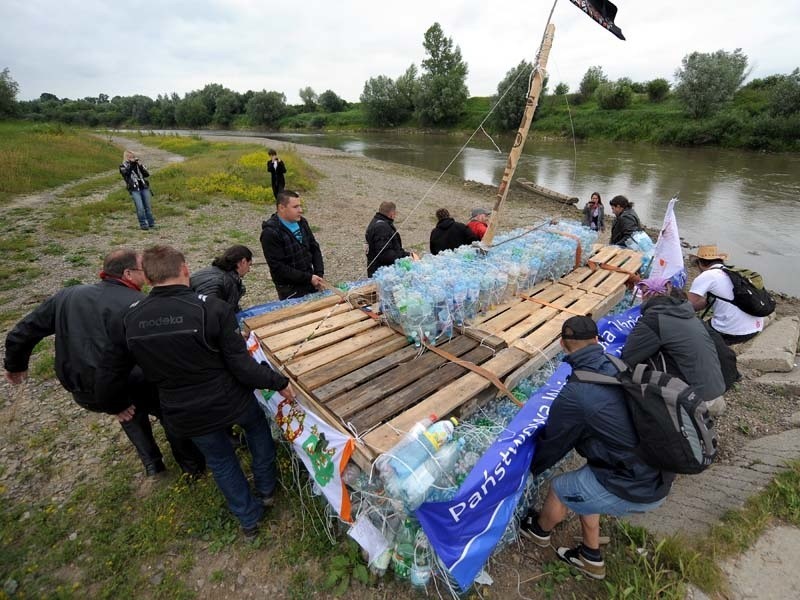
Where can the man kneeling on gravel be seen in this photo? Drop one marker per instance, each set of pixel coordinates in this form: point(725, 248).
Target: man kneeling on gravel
point(594, 420)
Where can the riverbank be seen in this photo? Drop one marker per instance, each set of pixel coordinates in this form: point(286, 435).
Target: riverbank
point(78, 518)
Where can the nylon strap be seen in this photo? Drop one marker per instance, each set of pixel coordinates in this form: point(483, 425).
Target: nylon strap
point(551, 305)
point(578, 249)
point(485, 373)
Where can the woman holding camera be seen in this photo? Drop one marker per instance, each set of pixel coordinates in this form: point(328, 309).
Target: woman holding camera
point(135, 176)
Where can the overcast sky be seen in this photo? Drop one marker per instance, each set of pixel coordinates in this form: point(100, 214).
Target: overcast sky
point(82, 48)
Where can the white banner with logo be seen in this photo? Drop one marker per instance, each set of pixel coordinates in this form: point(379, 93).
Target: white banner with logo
point(324, 450)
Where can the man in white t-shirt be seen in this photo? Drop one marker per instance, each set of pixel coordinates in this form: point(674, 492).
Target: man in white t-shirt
point(714, 286)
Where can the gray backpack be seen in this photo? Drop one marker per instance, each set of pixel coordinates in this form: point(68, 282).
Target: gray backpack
point(675, 431)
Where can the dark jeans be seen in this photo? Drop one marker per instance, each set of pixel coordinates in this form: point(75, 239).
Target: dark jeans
point(731, 340)
point(224, 464)
point(286, 292)
point(144, 397)
point(144, 212)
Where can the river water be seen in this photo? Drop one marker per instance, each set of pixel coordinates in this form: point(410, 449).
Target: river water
point(744, 202)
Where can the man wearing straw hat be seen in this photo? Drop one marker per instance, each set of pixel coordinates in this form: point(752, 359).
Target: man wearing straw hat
point(733, 324)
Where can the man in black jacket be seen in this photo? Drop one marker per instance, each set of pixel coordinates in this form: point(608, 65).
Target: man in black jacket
point(384, 245)
point(191, 348)
point(277, 172)
point(293, 254)
point(448, 234)
point(80, 317)
point(594, 420)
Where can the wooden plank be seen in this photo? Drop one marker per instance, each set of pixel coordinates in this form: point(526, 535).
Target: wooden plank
point(576, 277)
point(539, 317)
point(514, 315)
point(545, 335)
point(410, 395)
point(317, 329)
point(610, 285)
point(484, 338)
point(344, 364)
point(292, 311)
point(405, 374)
point(325, 340)
point(272, 329)
point(306, 363)
point(493, 312)
point(535, 363)
point(365, 373)
point(604, 255)
point(596, 278)
point(445, 400)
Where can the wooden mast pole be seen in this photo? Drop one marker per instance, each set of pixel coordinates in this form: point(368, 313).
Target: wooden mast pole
point(522, 133)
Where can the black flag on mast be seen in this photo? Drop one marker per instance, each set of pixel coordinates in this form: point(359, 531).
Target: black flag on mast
point(601, 11)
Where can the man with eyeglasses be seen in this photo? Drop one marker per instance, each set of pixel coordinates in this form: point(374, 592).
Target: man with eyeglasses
point(79, 316)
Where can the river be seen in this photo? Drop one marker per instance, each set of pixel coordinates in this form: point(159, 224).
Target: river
point(744, 202)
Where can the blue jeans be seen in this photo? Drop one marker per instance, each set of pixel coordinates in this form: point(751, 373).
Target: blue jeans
point(224, 464)
point(141, 198)
point(582, 494)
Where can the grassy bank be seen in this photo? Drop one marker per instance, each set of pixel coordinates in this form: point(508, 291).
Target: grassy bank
point(39, 156)
point(744, 123)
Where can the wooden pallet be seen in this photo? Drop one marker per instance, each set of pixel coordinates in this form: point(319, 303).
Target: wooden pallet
point(365, 378)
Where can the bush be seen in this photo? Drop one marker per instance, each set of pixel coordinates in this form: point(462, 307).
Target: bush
point(593, 77)
point(266, 108)
point(330, 102)
point(318, 122)
point(657, 89)
point(614, 96)
point(785, 97)
point(707, 81)
point(562, 89)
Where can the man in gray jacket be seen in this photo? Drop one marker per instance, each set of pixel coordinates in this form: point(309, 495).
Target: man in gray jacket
point(676, 341)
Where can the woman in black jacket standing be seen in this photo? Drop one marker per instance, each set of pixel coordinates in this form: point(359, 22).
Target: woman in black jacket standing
point(626, 221)
point(223, 279)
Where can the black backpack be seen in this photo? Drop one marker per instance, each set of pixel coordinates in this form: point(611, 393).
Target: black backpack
point(749, 293)
point(675, 431)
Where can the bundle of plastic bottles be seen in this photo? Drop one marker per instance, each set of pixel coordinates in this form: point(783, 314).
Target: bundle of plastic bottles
point(427, 298)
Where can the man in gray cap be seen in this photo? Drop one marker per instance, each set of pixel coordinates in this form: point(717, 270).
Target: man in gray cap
point(478, 222)
point(594, 420)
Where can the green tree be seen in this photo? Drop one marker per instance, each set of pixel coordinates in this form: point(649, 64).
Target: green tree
point(407, 88)
point(593, 77)
point(227, 108)
point(8, 94)
point(706, 82)
point(330, 102)
point(379, 100)
point(562, 89)
point(785, 97)
point(507, 114)
point(309, 98)
point(616, 95)
point(657, 89)
point(192, 112)
point(266, 108)
point(442, 87)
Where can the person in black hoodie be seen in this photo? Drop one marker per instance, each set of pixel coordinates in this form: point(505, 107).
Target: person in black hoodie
point(80, 316)
point(191, 348)
point(293, 254)
point(594, 420)
point(384, 245)
point(448, 234)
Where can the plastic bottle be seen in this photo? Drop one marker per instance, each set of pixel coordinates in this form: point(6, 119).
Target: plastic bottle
point(418, 446)
point(415, 487)
point(403, 557)
point(420, 573)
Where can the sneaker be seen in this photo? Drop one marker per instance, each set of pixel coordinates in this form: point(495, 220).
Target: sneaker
point(530, 529)
point(144, 228)
point(575, 558)
point(251, 533)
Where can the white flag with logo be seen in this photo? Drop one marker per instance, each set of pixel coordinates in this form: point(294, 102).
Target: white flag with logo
point(668, 258)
